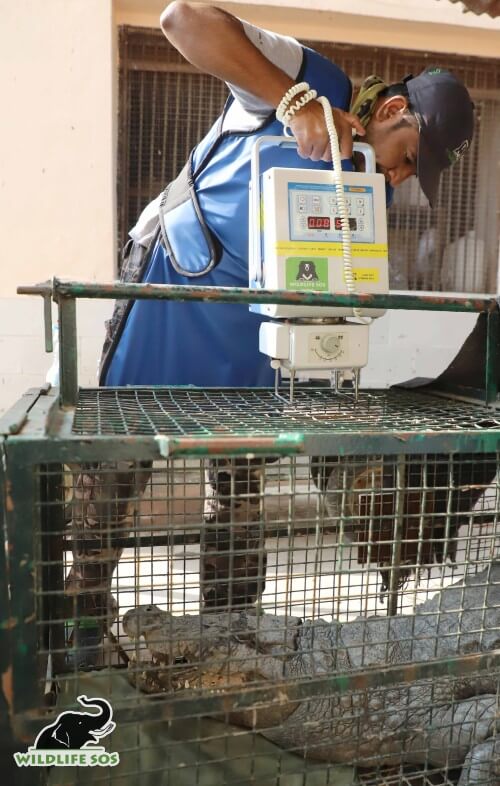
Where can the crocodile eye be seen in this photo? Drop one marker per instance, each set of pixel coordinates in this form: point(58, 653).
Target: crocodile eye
point(149, 608)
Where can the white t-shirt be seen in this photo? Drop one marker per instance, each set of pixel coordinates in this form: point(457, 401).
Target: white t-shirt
point(285, 53)
point(246, 111)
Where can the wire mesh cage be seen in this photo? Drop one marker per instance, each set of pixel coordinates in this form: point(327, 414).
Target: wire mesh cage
point(223, 586)
point(254, 606)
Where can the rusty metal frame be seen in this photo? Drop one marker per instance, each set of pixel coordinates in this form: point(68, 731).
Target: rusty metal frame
point(44, 438)
point(38, 432)
point(65, 294)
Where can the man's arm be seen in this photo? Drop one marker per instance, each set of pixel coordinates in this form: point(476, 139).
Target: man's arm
point(215, 41)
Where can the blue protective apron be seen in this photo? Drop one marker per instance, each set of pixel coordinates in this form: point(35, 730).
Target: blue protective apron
point(204, 241)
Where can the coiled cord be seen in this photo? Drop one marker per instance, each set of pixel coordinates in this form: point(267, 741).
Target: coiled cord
point(285, 117)
point(341, 204)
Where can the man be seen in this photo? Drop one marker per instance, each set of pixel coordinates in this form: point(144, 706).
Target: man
point(200, 235)
point(196, 232)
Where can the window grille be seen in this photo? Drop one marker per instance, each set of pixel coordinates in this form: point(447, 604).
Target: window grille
point(166, 106)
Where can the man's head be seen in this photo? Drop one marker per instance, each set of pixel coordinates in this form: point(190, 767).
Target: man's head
point(420, 127)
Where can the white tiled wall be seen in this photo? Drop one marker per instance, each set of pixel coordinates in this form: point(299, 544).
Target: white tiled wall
point(23, 360)
point(408, 344)
point(403, 344)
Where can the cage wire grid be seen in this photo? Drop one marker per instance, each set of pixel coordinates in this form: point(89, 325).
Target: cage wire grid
point(323, 546)
point(213, 411)
point(315, 604)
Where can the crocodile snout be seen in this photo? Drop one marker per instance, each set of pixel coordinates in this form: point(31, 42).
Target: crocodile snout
point(141, 619)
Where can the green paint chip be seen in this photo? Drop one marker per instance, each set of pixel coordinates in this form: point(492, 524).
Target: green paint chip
point(344, 683)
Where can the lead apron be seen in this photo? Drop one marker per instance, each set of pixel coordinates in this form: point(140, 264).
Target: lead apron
point(194, 343)
point(211, 344)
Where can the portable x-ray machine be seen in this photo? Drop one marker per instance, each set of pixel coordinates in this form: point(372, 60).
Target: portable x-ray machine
point(321, 231)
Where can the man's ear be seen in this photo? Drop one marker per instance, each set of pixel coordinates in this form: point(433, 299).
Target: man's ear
point(389, 107)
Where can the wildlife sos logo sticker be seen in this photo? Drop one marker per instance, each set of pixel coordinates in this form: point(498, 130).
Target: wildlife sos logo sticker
point(304, 273)
point(71, 739)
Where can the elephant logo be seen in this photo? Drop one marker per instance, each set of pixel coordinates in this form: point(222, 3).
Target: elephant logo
point(307, 272)
point(76, 730)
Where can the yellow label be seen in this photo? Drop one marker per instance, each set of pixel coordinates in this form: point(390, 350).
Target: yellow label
point(314, 248)
point(366, 274)
point(357, 189)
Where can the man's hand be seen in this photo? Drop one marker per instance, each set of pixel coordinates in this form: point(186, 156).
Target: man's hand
point(309, 129)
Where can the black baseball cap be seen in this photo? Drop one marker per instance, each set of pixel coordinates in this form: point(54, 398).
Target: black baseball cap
point(445, 115)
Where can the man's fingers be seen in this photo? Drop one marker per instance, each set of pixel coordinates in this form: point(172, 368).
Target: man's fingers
point(304, 149)
point(346, 124)
point(345, 144)
point(309, 129)
point(319, 150)
point(343, 119)
point(355, 123)
point(327, 152)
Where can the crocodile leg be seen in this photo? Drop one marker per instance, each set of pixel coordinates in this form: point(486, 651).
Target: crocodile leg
point(463, 732)
point(482, 764)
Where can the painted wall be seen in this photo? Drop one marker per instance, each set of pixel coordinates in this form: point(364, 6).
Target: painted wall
point(428, 25)
point(23, 361)
point(57, 172)
point(57, 159)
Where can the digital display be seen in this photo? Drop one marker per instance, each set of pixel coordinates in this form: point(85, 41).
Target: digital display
point(318, 222)
point(352, 223)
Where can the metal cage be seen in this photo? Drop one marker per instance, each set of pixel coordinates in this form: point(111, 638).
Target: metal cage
point(264, 591)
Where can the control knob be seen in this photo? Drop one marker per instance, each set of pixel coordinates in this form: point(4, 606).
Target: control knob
point(331, 344)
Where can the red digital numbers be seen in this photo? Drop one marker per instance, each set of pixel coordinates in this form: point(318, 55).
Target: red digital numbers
point(318, 222)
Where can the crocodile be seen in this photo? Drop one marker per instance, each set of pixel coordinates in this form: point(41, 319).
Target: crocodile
point(446, 722)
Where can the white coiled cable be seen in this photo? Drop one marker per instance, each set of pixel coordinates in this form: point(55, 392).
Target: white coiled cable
point(304, 99)
point(341, 203)
point(283, 105)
